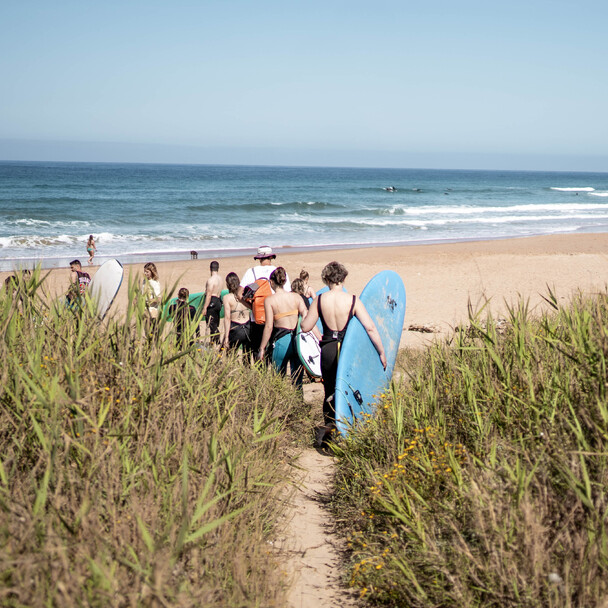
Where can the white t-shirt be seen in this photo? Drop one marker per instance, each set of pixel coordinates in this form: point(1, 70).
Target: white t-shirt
point(151, 289)
point(262, 272)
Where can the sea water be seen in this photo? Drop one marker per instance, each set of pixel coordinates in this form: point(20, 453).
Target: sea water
point(138, 212)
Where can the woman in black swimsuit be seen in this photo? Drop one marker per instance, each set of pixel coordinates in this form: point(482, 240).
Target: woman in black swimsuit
point(336, 308)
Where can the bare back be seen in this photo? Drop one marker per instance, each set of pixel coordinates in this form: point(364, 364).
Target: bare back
point(284, 302)
point(335, 307)
point(213, 286)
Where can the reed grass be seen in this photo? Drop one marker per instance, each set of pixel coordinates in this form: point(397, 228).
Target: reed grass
point(133, 473)
point(482, 479)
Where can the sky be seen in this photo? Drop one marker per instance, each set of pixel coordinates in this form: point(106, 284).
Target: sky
point(435, 83)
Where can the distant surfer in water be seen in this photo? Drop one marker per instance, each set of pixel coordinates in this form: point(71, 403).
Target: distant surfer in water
point(336, 308)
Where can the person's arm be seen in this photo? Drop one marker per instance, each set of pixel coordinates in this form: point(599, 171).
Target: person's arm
point(367, 322)
point(267, 328)
point(227, 314)
point(304, 312)
point(248, 278)
point(310, 319)
point(206, 300)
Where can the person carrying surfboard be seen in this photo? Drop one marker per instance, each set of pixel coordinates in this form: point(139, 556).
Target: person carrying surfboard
point(79, 282)
point(335, 308)
point(282, 310)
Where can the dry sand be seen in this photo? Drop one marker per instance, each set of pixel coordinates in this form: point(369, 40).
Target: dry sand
point(440, 280)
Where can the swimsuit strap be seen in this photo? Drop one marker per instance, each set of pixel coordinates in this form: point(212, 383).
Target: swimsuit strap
point(350, 316)
point(280, 315)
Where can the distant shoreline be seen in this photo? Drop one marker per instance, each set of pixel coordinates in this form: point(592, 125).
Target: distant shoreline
point(53, 262)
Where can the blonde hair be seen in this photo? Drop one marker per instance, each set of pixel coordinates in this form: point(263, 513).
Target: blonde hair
point(152, 268)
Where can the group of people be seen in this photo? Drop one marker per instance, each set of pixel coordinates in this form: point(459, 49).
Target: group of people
point(274, 339)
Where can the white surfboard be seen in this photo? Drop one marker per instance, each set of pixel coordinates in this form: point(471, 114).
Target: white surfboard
point(105, 285)
point(309, 352)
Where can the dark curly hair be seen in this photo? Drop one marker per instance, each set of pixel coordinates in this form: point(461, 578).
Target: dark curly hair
point(334, 273)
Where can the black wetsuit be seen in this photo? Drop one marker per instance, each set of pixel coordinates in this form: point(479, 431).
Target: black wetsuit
point(330, 352)
point(183, 314)
point(239, 335)
point(213, 317)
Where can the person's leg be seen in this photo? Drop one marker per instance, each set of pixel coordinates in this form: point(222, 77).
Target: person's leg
point(295, 365)
point(213, 318)
point(329, 370)
point(280, 353)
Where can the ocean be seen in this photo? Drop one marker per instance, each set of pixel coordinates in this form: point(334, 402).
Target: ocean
point(141, 212)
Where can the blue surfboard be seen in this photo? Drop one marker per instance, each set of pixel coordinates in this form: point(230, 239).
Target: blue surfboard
point(360, 378)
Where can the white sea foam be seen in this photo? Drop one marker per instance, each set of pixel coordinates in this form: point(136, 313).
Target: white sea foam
point(510, 219)
point(585, 189)
point(603, 194)
point(472, 210)
point(50, 224)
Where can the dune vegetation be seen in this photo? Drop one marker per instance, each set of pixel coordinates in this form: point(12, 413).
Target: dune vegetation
point(482, 479)
point(133, 473)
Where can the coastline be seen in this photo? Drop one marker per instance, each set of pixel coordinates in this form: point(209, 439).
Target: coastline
point(440, 278)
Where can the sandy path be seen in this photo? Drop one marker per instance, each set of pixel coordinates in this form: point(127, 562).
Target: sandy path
point(314, 553)
point(309, 544)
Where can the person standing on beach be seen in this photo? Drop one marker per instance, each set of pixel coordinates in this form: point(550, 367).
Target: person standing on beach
point(79, 282)
point(212, 305)
point(91, 248)
point(263, 270)
point(151, 289)
point(183, 315)
point(282, 311)
point(237, 325)
point(336, 308)
point(309, 292)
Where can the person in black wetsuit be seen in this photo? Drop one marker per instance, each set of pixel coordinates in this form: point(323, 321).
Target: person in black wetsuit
point(183, 315)
point(336, 308)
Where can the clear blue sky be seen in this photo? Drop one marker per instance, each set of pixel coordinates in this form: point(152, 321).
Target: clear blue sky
point(518, 84)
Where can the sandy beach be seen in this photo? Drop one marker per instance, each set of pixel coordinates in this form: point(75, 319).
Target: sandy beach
point(440, 279)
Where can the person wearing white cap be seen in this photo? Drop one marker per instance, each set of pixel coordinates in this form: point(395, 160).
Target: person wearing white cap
point(263, 270)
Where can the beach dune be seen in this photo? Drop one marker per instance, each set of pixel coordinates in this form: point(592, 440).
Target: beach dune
point(440, 279)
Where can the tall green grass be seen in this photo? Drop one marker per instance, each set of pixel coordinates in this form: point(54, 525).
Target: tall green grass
point(133, 473)
point(482, 480)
